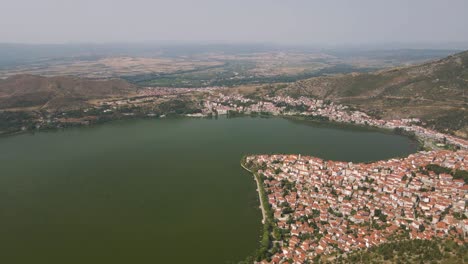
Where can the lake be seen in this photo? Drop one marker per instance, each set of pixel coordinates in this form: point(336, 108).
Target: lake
point(154, 191)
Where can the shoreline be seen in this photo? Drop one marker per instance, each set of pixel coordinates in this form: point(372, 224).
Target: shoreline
point(332, 124)
point(262, 206)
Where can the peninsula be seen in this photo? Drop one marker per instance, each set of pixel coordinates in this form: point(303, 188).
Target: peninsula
point(329, 208)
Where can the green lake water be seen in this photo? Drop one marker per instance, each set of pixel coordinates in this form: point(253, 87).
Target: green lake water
point(153, 191)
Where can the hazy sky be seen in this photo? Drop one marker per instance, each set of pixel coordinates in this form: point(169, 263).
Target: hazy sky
point(281, 21)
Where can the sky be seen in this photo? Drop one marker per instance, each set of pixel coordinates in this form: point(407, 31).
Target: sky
point(335, 22)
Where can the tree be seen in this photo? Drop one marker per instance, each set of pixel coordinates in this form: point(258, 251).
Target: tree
point(276, 233)
point(422, 228)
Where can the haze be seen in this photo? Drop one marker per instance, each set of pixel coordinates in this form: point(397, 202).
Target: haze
point(277, 21)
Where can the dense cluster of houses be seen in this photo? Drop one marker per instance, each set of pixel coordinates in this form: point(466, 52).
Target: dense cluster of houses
point(285, 105)
point(222, 104)
point(324, 207)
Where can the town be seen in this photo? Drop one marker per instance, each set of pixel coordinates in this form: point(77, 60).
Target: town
point(324, 207)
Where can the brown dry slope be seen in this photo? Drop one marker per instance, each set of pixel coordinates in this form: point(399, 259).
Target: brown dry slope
point(64, 92)
point(435, 91)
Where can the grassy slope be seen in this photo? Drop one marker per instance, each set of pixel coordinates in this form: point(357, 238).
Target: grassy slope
point(410, 251)
point(57, 92)
point(435, 91)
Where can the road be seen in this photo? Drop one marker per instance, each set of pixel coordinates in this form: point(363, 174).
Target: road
point(262, 206)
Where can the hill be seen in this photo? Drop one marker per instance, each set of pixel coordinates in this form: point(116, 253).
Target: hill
point(436, 92)
point(64, 92)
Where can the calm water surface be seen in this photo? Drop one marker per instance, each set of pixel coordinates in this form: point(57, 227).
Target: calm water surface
point(153, 191)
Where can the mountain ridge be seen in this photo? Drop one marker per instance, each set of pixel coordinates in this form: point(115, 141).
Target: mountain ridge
point(436, 92)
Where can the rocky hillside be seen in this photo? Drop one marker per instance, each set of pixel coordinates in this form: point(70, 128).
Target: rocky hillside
point(31, 91)
point(435, 91)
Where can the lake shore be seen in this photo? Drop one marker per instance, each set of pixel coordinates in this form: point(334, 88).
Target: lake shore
point(262, 206)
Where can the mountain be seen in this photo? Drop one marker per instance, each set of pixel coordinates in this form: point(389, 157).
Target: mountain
point(62, 92)
point(436, 92)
